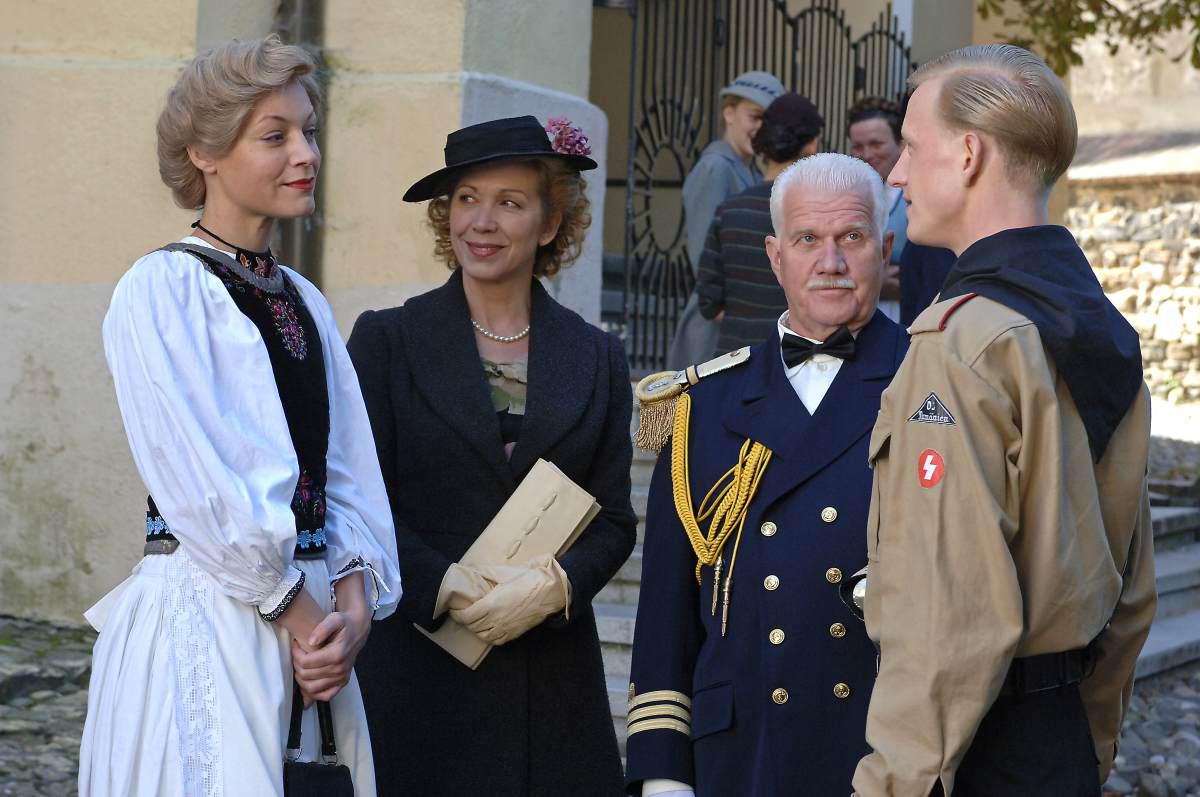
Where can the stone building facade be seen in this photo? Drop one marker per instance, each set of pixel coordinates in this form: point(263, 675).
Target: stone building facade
point(1142, 236)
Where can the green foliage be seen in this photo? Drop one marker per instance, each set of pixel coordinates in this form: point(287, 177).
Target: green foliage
point(1053, 28)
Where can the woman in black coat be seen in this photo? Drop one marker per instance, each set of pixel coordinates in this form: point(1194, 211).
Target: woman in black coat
point(457, 427)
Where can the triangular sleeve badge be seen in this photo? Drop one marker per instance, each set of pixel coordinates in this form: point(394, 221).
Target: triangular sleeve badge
point(932, 410)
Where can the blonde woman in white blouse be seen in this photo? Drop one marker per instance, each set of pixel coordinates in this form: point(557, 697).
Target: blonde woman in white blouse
point(269, 537)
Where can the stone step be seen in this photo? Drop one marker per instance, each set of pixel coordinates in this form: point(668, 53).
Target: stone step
point(618, 697)
point(1173, 641)
point(1177, 576)
point(625, 585)
point(1175, 526)
point(639, 494)
point(1178, 488)
point(614, 624)
point(643, 467)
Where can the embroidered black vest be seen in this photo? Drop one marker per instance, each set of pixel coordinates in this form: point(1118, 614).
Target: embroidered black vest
point(294, 347)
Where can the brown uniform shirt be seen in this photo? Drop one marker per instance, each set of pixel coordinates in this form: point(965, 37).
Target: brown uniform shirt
point(993, 535)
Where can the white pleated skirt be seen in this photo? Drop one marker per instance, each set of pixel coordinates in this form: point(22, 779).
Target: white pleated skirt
point(191, 692)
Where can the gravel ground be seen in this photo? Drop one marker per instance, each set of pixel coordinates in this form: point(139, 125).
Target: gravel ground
point(43, 699)
point(44, 671)
point(1160, 743)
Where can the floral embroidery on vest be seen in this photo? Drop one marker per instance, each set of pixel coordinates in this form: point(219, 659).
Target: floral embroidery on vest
point(308, 502)
point(288, 325)
point(282, 306)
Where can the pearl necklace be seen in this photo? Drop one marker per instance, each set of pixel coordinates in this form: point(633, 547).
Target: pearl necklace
point(501, 338)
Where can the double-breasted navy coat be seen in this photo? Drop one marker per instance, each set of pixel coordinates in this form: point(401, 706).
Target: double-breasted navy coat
point(534, 718)
point(778, 705)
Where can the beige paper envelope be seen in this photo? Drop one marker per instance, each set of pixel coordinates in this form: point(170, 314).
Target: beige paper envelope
point(545, 515)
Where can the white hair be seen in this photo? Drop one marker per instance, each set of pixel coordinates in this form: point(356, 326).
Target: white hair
point(831, 171)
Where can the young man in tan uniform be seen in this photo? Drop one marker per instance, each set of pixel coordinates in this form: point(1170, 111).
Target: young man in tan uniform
point(1010, 579)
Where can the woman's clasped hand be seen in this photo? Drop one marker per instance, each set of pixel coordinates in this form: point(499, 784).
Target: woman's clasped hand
point(323, 658)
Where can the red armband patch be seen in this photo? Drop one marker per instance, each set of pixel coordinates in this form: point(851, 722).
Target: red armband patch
point(930, 468)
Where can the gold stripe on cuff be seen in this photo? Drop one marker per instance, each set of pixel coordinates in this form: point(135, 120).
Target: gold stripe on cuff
point(665, 710)
point(661, 694)
point(663, 724)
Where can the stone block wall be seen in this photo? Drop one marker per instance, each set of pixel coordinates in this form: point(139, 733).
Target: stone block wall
point(1142, 237)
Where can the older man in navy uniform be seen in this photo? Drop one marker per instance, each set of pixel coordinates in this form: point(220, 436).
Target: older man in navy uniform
point(751, 676)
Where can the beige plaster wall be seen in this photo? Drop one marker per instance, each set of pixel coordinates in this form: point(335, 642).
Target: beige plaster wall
point(72, 30)
point(80, 200)
point(78, 133)
point(534, 41)
point(1136, 92)
point(218, 21)
point(394, 92)
point(71, 502)
point(939, 26)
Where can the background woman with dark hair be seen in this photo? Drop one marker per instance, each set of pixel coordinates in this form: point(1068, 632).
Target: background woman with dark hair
point(736, 286)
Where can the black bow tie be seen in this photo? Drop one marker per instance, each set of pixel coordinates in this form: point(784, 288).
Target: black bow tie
point(797, 350)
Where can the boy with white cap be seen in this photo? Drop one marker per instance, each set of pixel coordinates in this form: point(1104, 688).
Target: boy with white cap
point(726, 167)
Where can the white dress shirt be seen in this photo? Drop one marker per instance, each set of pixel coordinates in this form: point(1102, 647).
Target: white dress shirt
point(810, 379)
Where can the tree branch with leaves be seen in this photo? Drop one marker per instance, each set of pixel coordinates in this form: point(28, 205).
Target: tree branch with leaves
point(1055, 28)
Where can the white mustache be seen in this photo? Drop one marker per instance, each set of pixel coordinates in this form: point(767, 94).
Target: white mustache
point(823, 283)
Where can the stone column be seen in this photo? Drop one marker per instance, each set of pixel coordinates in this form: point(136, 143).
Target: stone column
point(402, 76)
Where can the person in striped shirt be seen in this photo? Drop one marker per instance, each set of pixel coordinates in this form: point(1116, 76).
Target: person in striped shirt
point(735, 284)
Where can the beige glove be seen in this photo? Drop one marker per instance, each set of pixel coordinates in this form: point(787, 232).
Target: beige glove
point(516, 604)
point(463, 585)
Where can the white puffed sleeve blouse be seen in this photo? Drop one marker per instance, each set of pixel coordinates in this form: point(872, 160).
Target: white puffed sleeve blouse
point(208, 434)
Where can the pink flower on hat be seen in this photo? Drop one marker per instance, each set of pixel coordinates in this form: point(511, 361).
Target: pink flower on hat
point(565, 138)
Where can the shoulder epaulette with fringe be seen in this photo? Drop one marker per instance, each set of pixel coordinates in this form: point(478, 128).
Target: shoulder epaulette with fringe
point(658, 392)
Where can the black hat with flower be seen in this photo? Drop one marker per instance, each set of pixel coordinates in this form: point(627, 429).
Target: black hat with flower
point(518, 137)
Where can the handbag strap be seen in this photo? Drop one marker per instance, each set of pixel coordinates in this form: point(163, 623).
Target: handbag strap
point(324, 722)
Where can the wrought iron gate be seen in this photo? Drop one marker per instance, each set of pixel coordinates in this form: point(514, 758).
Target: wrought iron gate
point(684, 51)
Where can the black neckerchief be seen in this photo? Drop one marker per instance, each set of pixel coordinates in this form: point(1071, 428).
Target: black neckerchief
point(1041, 273)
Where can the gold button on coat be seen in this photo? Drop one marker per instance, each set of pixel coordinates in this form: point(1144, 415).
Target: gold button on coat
point(776, 636)
point(837, 630)
point(768, 529)
point(841, 691)
point(833, 575)
point(771, 582)
point(780, 696)
point(829, 514)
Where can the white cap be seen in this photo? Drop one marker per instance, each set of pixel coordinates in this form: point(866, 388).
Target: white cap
point(759, 87)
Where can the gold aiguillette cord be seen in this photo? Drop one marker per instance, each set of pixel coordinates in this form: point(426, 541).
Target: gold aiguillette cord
point(727, 502)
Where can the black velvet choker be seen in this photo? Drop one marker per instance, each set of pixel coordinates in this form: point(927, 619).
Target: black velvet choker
point(258, 268)
point(262, 263)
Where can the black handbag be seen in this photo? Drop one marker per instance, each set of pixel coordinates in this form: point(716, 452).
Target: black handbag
point(324, 778)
